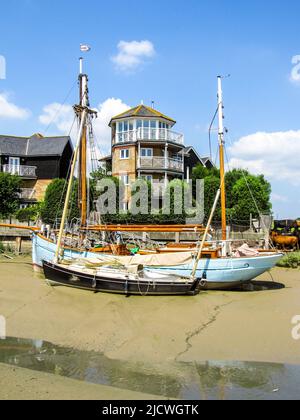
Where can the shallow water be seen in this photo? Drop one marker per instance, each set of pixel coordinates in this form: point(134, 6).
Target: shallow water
point(198, 380)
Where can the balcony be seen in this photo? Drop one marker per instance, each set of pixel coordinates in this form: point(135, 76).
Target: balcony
point(22, 171)
point(27, 194)
point(160, 163)
point(150, 134)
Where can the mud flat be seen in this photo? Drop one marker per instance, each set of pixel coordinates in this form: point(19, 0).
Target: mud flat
point(254, 326)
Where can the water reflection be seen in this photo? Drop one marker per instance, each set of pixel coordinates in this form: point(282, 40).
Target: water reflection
point(210, 380)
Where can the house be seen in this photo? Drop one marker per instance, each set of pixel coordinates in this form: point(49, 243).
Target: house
point(37, 160)
point(192, 159)
point(145, 145)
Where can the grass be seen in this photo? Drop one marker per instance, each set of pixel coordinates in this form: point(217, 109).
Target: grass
point(9, 249)
point(291, 260)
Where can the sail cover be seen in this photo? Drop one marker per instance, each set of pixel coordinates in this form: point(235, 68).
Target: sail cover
point(153, 260)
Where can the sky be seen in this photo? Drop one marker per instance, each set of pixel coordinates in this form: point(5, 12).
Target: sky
point(169, 52)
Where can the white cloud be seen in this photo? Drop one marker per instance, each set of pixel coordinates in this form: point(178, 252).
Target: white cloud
point(133, 54)
point(62, 117)
point(276, 155)
point(279, 198)
point(11, 111)
point(108, 109)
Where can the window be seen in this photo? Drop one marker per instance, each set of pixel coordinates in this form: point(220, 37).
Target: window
point(148, 178)
point(125, 179)
point(14, 165)
point(164, 125)
point(124, 154)
point(177, 157)
point(147, 153)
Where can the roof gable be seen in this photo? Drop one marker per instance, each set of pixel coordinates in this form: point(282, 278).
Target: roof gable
point(202, 160)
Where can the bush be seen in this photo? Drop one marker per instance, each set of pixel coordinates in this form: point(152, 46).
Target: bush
point(53, 205)
point(30, 214)
point(290, 261)
point(9, 194)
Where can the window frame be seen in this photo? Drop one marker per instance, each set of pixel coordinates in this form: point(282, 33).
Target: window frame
point(147, 149)
point(125, 157)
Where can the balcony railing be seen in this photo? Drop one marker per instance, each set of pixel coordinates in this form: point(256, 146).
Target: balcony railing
point(150, 134)
point(160, 163)
point(23, 171)
point(27, 194)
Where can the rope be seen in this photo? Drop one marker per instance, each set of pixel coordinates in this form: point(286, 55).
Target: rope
point(209, 131)
point(68, 174)
point(61, 106)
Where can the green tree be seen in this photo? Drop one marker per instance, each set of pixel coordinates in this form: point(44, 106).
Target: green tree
point(9, 194)
point(53, 205)
point(251, 195)
point(211, 186)
point(231, 178)
point(244, 193)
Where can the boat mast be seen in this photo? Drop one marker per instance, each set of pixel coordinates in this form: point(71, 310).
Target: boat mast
point(70, 185)
point(222, 159)
point(84, 102)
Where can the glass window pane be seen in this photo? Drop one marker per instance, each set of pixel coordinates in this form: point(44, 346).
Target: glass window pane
point(130, 125)
point(153, 124)
point(146, 124)
point(125, 125)
point(139, 124)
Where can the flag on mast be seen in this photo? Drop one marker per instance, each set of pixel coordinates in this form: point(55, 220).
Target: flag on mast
point(85, 48)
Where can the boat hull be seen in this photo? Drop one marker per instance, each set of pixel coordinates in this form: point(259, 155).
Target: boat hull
point(64, 276)
point(217, 274)
point(226, 273)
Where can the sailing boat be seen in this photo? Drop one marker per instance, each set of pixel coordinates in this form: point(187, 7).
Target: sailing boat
point(108, 276)
point(176, 273)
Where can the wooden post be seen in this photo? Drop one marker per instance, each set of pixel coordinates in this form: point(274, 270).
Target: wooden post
point(18, 245)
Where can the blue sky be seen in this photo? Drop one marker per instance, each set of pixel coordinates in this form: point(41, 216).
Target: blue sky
point(192, 42)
